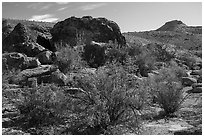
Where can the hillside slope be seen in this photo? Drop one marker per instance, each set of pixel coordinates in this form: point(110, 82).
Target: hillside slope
point(174, 32)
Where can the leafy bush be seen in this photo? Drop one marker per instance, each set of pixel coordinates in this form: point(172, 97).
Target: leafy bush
point(68, 59)
point(187, 58)
point(41, 106)
point(94, 55)
point(116, 55)
point(108, 103)
point(167, 90)
point(8, 74)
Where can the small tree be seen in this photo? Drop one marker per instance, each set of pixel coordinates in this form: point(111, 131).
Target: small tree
point(167, 90)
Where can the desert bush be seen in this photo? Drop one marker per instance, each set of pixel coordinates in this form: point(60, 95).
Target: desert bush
point(134, 50)
point(116, 55)
point(187, 58)
point(94, 54)
point(179, 71)
point(68, 59)
point(108, 103)
point(8, 74)
point(167, 91)
point(41, 106)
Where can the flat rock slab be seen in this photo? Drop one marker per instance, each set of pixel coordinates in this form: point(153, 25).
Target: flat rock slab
point(35, 72)
point(165, 127)
point(176, 128)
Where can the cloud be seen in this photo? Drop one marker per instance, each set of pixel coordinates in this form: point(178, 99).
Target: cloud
point(45, 7)
point(39, 6)
point(61, 3)
point(92, 6)
point(60, 9)
point(34, 5)
point(44, 18)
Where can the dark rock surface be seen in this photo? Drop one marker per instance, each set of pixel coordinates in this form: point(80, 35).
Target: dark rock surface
point(25, 33)
point(22, 77)
point(45, 41)
point(31, 49)
point(18, 61)
point(74, 29)
point(18, 35)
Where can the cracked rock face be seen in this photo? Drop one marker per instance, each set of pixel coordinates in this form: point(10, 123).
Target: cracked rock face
point(73, 30)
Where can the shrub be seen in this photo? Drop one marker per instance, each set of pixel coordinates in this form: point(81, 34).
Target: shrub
point(108, 104)
point(94, 55)
point(167, 90)
point(8, 74)
point(41, 106)
point(68, 59)
point(116, 55)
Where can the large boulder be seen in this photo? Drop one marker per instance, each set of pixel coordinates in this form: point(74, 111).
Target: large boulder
point(73, 30)
point(46, 57)
point(31, 49)
point(25, 33)
point(45, 41)
point(18, 35)
point(23, 76)
point(18, 61)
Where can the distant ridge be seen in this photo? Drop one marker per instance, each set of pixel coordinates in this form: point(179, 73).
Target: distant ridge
point(172, 26)
point(179, 26)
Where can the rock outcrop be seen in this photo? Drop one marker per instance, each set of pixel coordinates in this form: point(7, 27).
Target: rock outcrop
point(25, 33)
point(74, 29)
point(31, 49)
point(18, 35)
point(23, 76)
point(18, 61)
point(45, 41)
point(172, 26)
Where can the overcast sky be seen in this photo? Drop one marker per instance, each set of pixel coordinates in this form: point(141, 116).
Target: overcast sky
point(130, 16)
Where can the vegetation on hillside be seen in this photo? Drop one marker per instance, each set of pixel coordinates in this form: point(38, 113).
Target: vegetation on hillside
point(108, 88)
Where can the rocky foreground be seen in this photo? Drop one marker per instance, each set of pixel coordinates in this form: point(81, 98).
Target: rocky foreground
point(31, 54)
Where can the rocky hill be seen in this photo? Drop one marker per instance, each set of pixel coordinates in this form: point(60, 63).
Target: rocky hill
point(174, 32)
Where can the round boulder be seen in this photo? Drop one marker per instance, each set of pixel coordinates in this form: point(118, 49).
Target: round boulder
point(72, 29)
point(45, 57)
point(18, 61)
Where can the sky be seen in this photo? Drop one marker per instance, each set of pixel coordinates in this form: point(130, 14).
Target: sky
point(130, 16)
